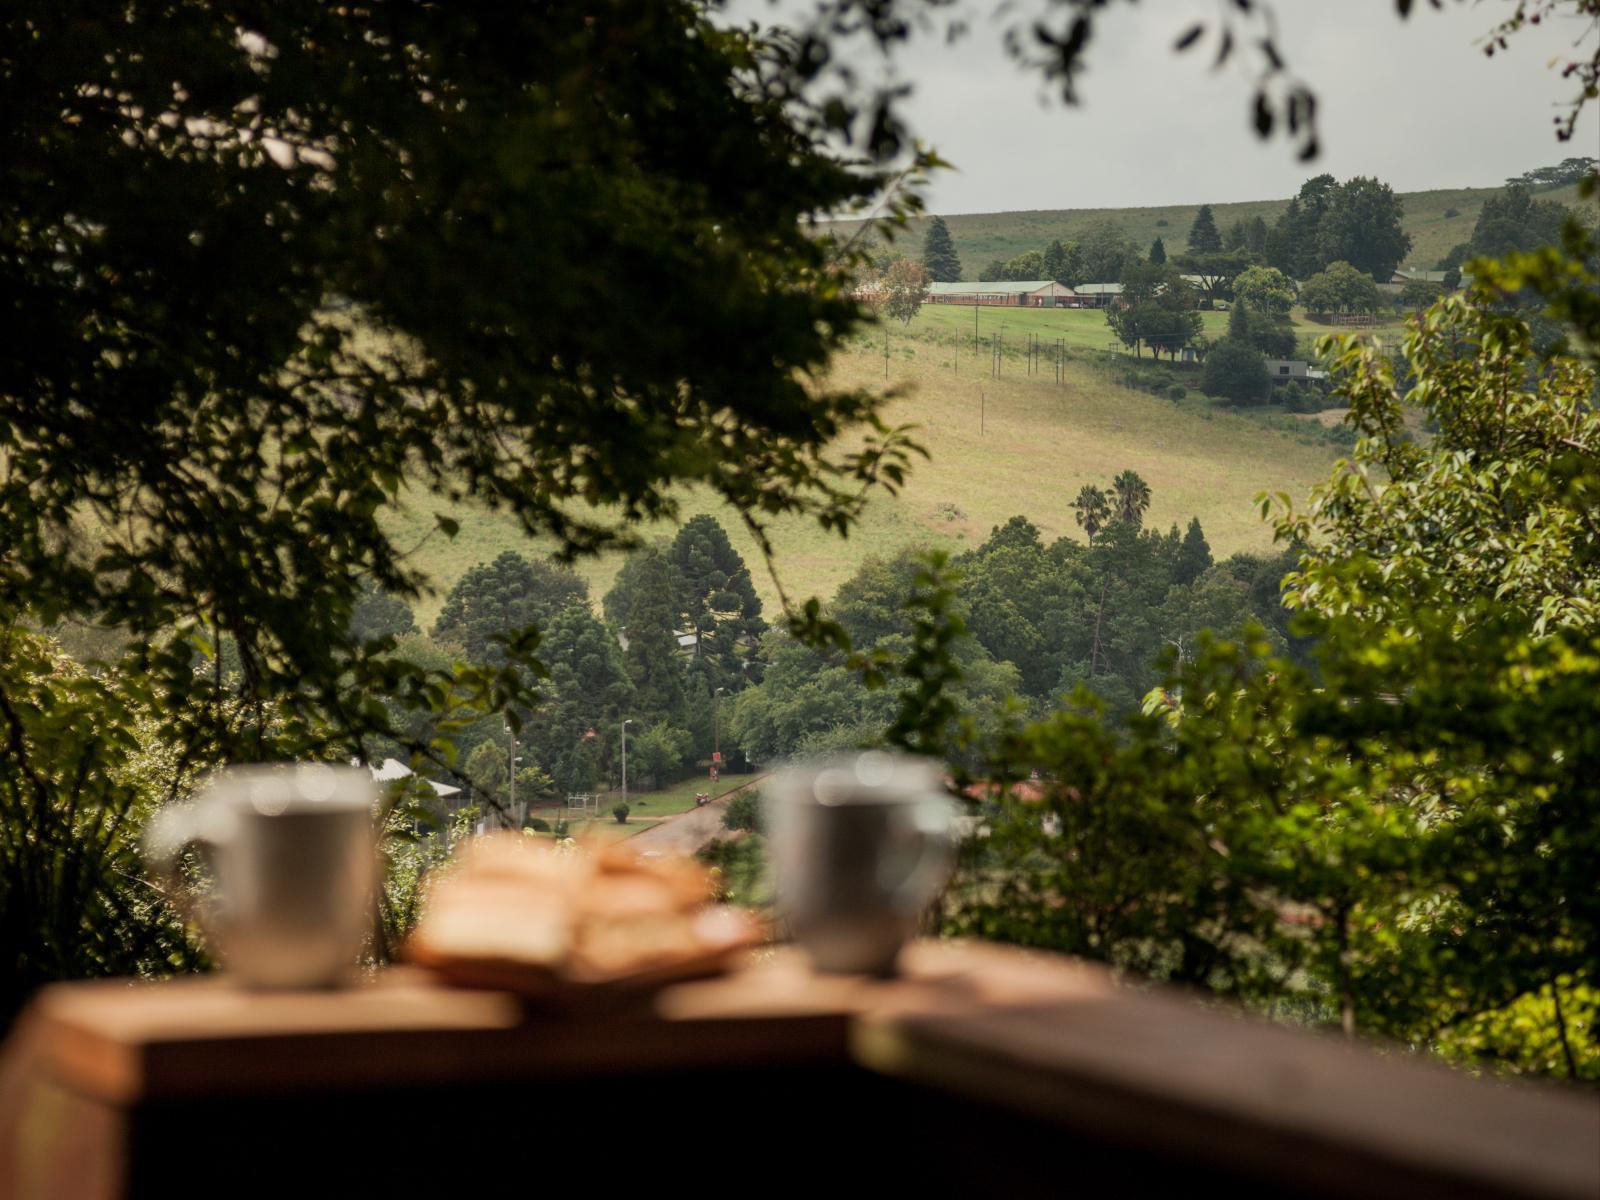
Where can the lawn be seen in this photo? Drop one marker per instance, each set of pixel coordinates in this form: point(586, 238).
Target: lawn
point(1016, 445)
point(647, 807)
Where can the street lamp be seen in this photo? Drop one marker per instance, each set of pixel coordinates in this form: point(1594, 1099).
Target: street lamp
point(716, 724)
point(625, 725)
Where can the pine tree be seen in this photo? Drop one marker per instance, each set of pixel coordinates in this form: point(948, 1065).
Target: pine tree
point(713, 596)
point(1239, 324)
point(502, 597)
point(1194, 556)
point(588, 687)
point(651, 655)
point(1158, 252)
point(1203, 235)
point(939, 253)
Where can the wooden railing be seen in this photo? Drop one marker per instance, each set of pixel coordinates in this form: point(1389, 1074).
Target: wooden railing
point(982, 1070)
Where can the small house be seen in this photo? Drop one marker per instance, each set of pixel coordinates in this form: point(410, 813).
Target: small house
point(1281, 369)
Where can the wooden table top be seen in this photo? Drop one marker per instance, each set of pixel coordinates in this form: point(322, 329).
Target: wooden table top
point(1037, 1034)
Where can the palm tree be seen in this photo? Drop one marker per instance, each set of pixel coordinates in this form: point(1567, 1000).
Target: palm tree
point(1092, 510)
point(1132, 497)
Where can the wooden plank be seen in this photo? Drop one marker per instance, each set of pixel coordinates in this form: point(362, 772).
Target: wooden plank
point(121, 1042)
point(1305, 1112)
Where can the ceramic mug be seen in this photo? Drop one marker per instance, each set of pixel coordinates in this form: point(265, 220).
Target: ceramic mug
point(292, 852)
point(861, 846)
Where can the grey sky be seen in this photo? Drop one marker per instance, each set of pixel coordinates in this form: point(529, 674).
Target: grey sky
point(1413, 102)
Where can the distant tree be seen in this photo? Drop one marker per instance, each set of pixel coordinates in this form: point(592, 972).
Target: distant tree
point(1017, 533)
point(1452, 278)
point(1267, 290)
point(1064, 263)
point(380, 614)
point(578, 769)
point(1418, 294)
point(1027, 265)
point(714, 595)
point(1106, 252)
point(1130, 496)
point(657, 753)
point(905, 284)
point(996, 271)
point(1514, 220)
point(1203, 235)
point(1235, 371)
point(1305, 214)
point(1158, 252)
point(1272, 335)
point(588, 690)
point(1339, 289)
point(939, 253)
point(1194, 555)
point(503, 597)
point(651, 657)
point(1158, 310)
point(1568, 170)
point(1256, 236)
point(1237, 237)
point(1457, 254)
point(1092, 510)
point(1362, 226)
point(1216, 271)
point(1241, 326)
point(1280, 245)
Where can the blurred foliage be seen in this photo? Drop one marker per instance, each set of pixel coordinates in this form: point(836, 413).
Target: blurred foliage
point(82, 767)
point(1407, 846)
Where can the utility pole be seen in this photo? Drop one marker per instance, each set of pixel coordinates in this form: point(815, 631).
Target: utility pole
point(513, 767)
point(625, 725)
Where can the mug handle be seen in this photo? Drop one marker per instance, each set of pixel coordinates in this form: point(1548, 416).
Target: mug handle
point(173, 831)
point(935, 823)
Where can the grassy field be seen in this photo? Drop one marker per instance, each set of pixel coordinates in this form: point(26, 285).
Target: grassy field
point(1038, 443)
point(980, 237)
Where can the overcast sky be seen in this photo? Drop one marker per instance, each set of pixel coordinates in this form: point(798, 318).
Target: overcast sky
point(1413, 102)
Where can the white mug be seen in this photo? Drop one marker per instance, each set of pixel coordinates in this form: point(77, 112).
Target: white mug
point(292, 850)
point(860, 846)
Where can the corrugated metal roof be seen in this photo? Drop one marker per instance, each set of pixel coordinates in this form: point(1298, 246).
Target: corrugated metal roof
point(993, 287)
point(1099, 289)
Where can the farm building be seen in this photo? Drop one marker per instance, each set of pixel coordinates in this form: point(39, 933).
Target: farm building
point(1293, 368)
point(1021, 293)
point(1097, 295)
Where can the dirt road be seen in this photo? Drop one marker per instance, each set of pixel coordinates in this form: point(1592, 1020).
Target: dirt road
point(688, 831)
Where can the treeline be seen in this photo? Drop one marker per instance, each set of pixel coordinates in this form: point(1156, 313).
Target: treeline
point(681, 624)
point(1357, 222)
point(1042, 619)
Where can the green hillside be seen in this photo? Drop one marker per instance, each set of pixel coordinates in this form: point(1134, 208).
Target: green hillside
point(981, 237)
point(1040, 443)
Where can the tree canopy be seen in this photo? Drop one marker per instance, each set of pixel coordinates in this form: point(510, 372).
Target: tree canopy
point(262, 282)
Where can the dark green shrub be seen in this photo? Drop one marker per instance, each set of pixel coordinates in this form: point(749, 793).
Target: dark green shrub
point(1236, 372)
point(744, 812)
point(620, 812)
point(1177, 392)
point(537, 824)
